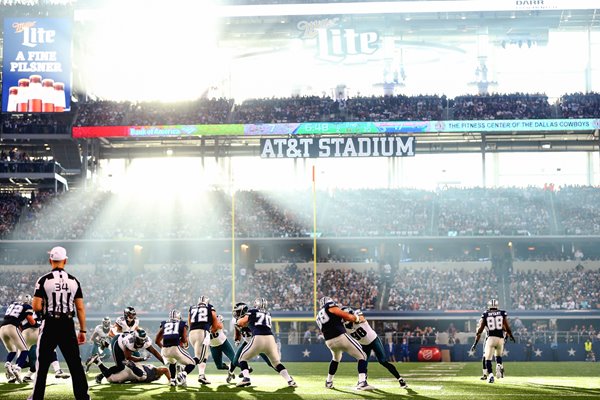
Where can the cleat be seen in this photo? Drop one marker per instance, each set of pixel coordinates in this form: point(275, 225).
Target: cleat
point(95, 359)
point(483, 378)
point(12, 380)
point(244, 382)
point(182, 379)
point(402, 383)
point(30, 377)
point(202, 379)
point(241, 375)
point(500, 371)
point(364, 386)
point(173, 383)
point(9, 371)
point(230, 376)
point(491, 379)
point(292, 383)
point(99, 379)
point(16, 370)
point(61, 374)
point(329, 384)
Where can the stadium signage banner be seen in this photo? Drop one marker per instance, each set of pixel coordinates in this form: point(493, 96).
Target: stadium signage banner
point(37, 65)
point(341, 128)
point(338, 147)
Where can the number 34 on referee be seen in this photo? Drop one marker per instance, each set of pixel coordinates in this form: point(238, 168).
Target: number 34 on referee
point(58, 298)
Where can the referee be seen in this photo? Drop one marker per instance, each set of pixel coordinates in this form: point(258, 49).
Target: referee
point(57, 297)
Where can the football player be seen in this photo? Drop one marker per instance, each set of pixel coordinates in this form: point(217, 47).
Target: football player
point(172, 338)
point(123, 350)
point(10, 333)
point(495, 322)
point(151, 374)
point(258, 319)
point(129, 322)
point(100, 342)
point(242, 338)
point(202, 319)
point(369, 341)
point(30, 333)
point(330, 319)
point(219, 345)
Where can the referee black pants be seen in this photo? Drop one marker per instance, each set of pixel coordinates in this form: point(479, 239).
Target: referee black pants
point(59, 332)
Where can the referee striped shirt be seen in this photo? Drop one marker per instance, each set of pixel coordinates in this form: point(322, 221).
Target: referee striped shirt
point(58, 290)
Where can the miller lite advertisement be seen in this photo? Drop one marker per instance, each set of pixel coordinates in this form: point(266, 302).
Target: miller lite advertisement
point(37, 65)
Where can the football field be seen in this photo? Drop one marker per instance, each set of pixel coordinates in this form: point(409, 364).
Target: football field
point(426, 381)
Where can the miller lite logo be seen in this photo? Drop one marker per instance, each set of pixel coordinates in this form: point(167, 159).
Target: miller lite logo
point(32, 35)
point(336, 43)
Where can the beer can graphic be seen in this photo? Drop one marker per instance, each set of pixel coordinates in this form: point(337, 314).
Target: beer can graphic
point(60, 103)
point(13, 94)
point(48, 96)
point(22, 95)
point(35, 94)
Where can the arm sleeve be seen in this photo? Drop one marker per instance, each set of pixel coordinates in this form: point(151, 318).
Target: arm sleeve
point(78, 293)
point(39, 288)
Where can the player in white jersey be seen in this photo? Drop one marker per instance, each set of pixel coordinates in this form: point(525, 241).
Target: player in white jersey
point(370, 341)
point(100, 341)
point(127, 323)
point(219, 345)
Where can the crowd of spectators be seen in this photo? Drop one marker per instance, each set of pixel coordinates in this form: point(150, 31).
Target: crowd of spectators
point(574, 289)
point(37, 123)
point(286, 110)
point(431, 289)
point(287, 214)
point(502, 106)
point(396, 108)
point(579, 210)
point(580, 105)
point(11, 206)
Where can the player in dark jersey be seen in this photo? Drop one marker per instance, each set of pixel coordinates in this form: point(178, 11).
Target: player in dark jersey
point(258, 319)
point(242, 338)
point(10, 333)
point(495, 322)
point(330, 319)
point(202, 319)
point(173, 339)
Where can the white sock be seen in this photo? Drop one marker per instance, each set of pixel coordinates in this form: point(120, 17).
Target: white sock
point(330, 378)
point(246, 373)
point(201, 368)
point(285, 375)
point(362, 377)
point(55, 366)
point(485, 371)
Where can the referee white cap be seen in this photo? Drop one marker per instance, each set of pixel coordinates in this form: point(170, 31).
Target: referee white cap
point(58, 253)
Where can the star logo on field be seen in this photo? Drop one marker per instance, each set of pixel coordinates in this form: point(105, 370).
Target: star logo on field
point(571, 352)
point(505, 353)
point(538, 352)
point(306, 353)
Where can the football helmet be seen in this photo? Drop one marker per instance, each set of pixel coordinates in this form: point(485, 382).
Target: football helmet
point(140, 337)
point(129, 313)
point(203, 300)
point(347, 309)
point(261, 304)
point(174, 314)
point(25, 298)
point(492, 304)
point(239, 310)
point(324, 300)
point(105, 323)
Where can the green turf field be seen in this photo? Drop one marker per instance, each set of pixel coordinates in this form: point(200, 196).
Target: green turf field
point(426, 381)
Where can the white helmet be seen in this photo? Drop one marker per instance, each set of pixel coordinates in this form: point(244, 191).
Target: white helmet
point(25, 298)
point(261, 303)
point(492, 304)
point(174, 314)
point(324, 300)
point(203, 300)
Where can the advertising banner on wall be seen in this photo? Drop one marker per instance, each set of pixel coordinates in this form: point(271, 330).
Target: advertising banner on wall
point(37, 65)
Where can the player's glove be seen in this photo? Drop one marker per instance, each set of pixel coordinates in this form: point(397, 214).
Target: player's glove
point(473, 347)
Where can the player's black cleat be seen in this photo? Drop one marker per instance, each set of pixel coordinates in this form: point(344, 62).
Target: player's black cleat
point(329, 384)
point(99, 378)
point(402, 383)
point(483, 378)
